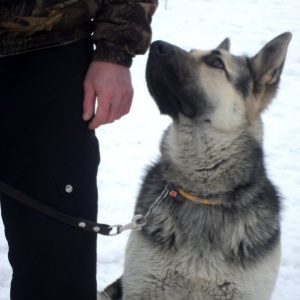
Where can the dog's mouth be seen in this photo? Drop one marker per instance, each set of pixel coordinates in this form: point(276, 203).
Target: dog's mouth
point(169, 80)
point(168, 100)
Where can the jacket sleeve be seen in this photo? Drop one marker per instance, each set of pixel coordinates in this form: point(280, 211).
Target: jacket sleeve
point(122, 30)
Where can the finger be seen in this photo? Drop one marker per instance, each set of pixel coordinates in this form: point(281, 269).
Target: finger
point(109, 112)
point(88, 102)
point(101, 116)
point(122, 107)
point(118, 109)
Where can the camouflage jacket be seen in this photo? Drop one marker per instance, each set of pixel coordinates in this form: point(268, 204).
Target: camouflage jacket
point(120, 28)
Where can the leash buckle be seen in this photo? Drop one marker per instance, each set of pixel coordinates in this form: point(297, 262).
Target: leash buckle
point(137, 223)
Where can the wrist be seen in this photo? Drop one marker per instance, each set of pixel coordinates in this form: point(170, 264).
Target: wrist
point(106, 54)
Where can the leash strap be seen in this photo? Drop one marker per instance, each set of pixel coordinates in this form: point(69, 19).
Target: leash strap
point(137, 222)
point(55, 214)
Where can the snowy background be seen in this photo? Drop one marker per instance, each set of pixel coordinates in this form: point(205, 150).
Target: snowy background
point(128, 145)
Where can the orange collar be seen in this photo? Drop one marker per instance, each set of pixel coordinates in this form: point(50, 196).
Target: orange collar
point(196, 199)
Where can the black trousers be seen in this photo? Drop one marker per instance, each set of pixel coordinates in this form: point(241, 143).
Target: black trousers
point(48, 152)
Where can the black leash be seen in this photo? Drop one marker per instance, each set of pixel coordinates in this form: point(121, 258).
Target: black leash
point(137, 222)
point(55, 214)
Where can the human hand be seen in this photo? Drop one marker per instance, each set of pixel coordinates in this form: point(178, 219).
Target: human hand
point(111, 85)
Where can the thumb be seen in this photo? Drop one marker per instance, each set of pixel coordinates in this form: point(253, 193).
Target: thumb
point(88, 102)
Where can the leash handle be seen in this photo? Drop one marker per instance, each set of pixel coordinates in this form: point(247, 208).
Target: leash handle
point(53, 213)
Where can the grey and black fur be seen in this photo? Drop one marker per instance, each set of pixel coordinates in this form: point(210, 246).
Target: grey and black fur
point(213, 149)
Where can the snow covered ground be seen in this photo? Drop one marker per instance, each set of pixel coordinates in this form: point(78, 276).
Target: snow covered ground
point(128, 145)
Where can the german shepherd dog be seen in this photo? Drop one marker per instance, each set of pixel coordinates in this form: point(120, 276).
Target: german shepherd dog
point(215, 234)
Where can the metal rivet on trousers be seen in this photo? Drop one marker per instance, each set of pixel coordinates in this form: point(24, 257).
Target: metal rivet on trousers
point(69, 188)
point(82, 224)
point(96, 229)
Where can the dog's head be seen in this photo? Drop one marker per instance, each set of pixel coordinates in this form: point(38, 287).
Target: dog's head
point(215, 88)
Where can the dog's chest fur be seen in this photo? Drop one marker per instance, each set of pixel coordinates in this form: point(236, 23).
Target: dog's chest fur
point(195, 275)
point(193, 258)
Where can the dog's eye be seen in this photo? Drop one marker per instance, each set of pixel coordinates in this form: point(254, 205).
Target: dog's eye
point(215, 62)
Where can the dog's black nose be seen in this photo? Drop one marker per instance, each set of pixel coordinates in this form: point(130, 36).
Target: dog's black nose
point(161, 48)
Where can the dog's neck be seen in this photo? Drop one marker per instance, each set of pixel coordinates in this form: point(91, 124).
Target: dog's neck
point(209, 163)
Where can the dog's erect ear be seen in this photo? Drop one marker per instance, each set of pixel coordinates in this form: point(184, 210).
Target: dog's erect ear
point(225, 45)
point(266, 67)
point(267, 64)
